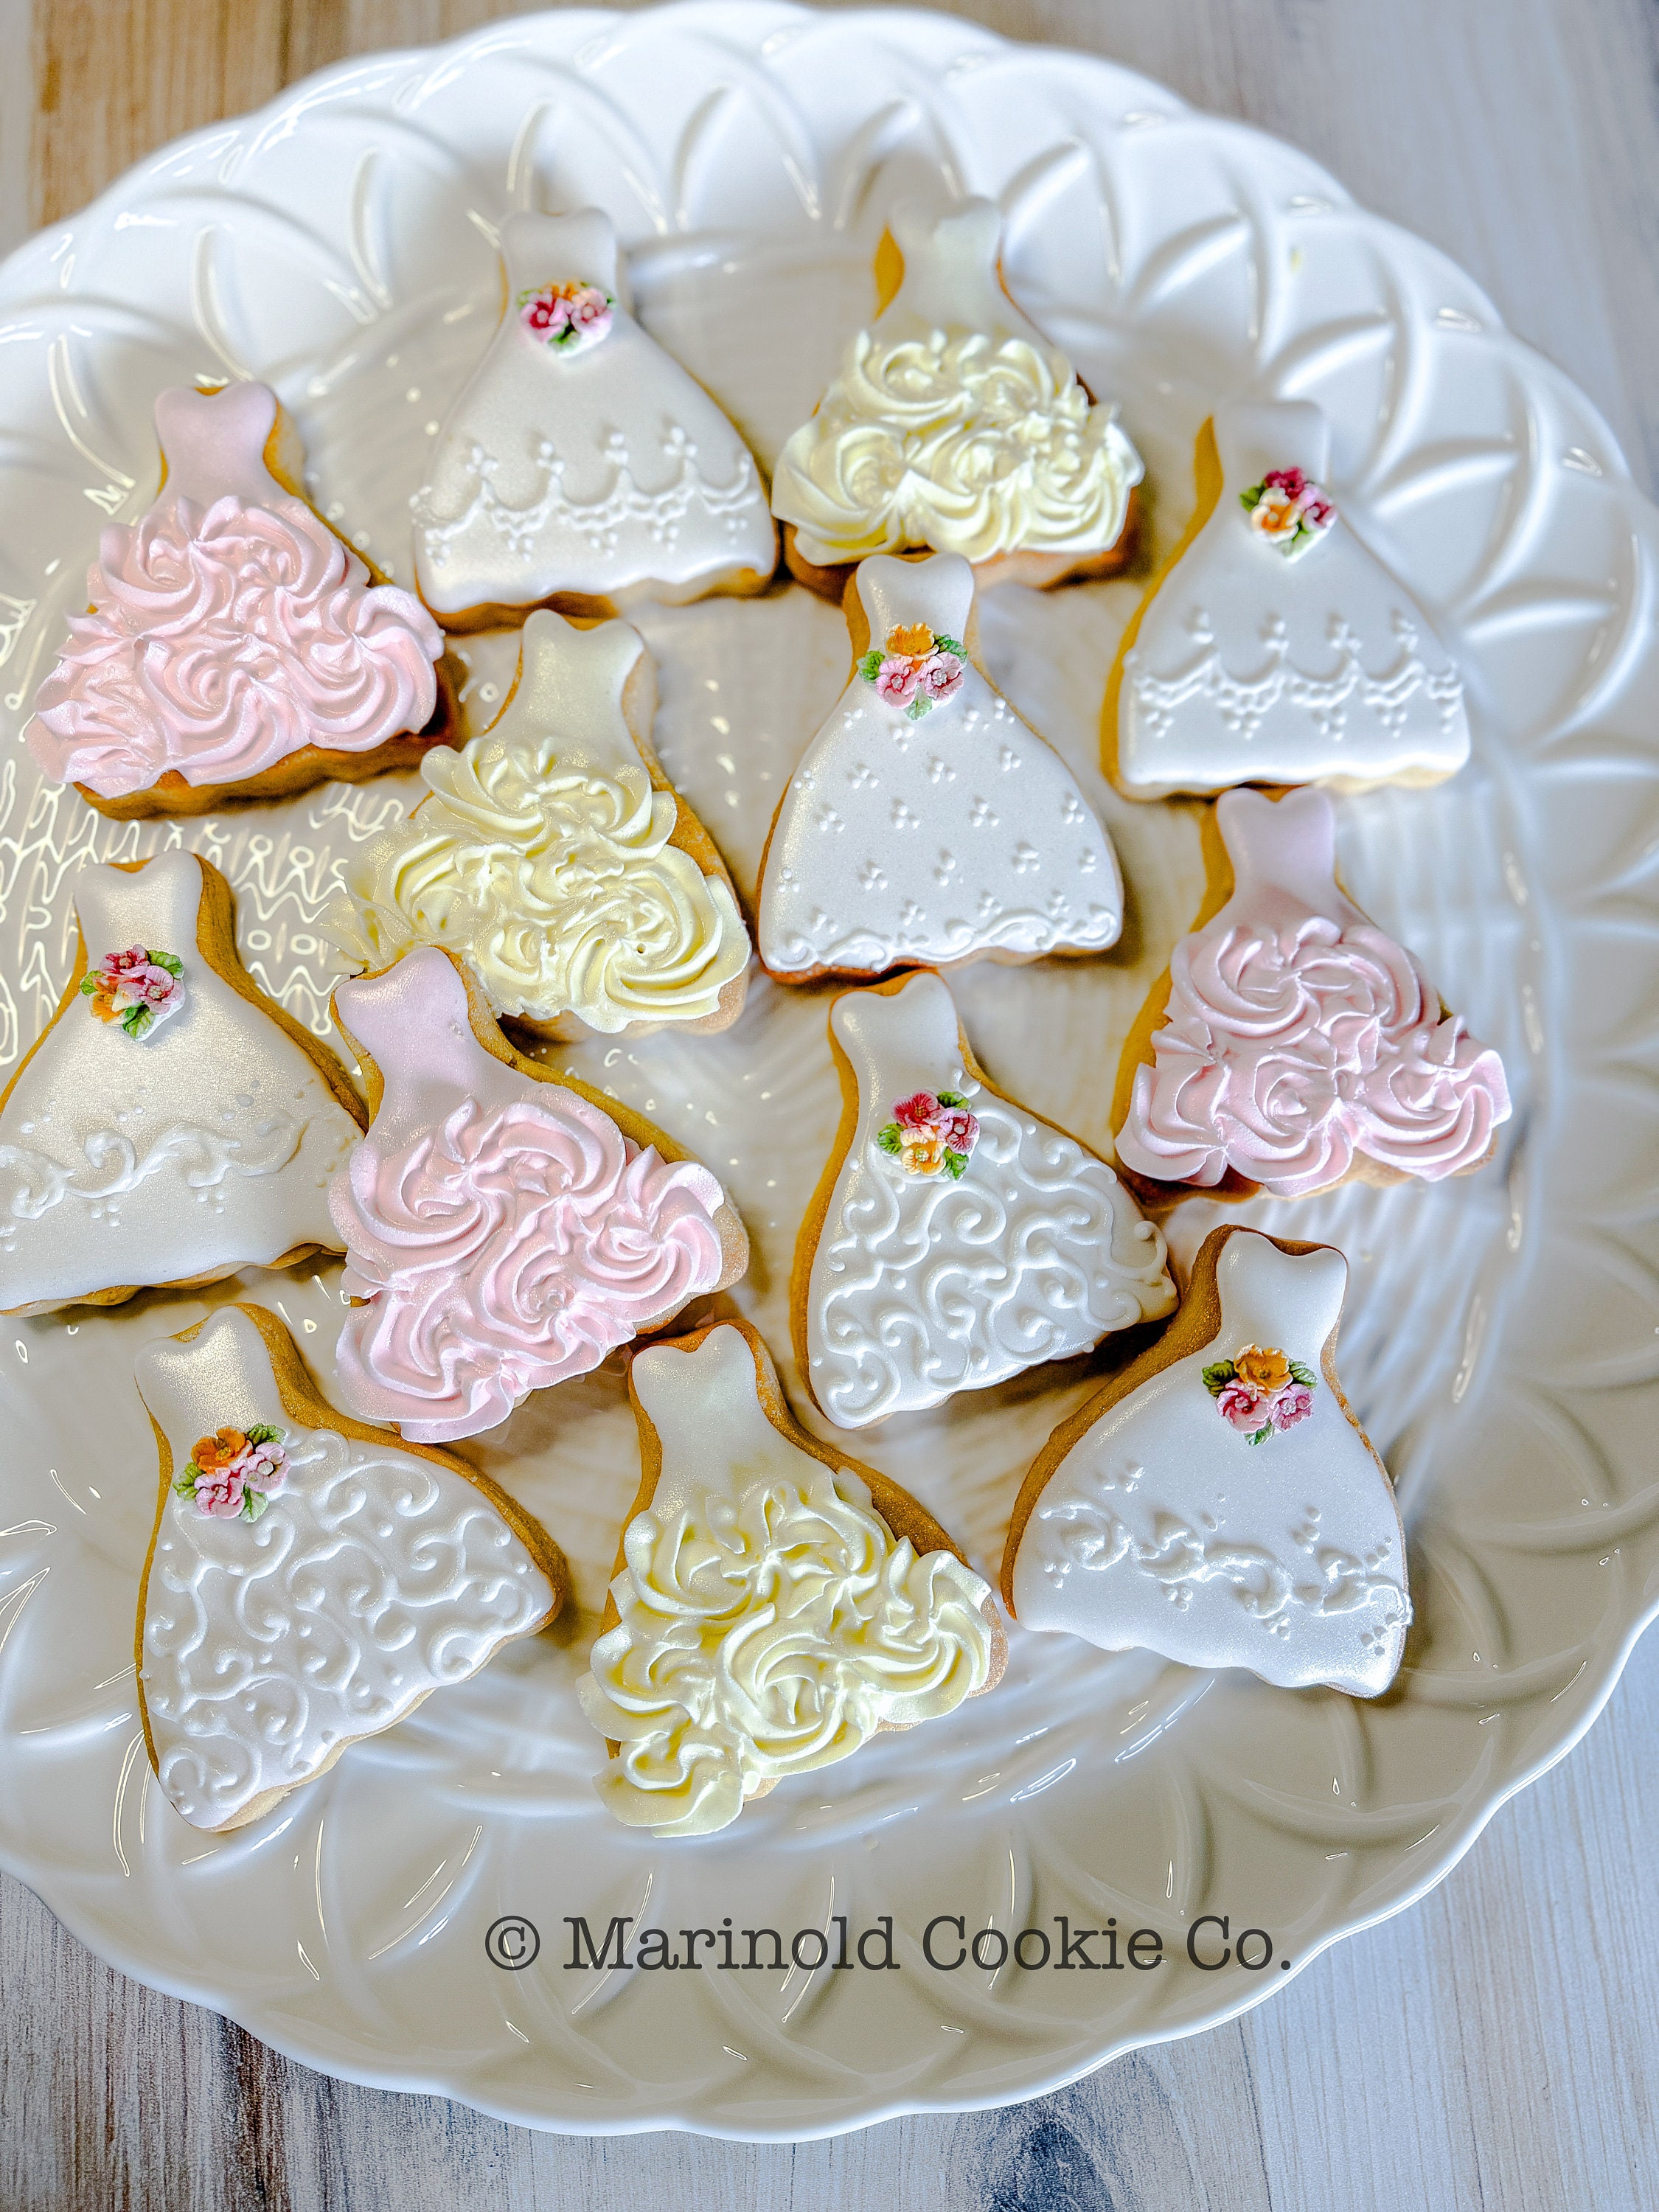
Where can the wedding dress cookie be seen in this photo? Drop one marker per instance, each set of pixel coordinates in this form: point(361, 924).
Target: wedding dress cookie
point(1274, 647)
point(235, 646)
point(172, 1124)
point(310, 1581)
point(925, 823)
point(775, 1602)
point(1292, 1042)
point(553, 858)
point(1218, 1502)
point(953, 424)
point(955, 1239)
point(581, 467)
point(504, 1229)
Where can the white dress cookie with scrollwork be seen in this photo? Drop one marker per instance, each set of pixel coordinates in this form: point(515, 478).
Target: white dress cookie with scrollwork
point(1227, 1510)
point(542, 856)
point(306, 1588)
point(964, 1239)
point(926, 823)
point(165, 1129)
point(1278, 648)
point(580, 462)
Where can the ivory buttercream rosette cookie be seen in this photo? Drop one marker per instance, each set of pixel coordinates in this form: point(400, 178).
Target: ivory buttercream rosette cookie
point(1218, 1502)
point(926, 822)
point(774, 1603)
point(953, 424)
point(172, 1124)
point(1294, 1042)
point(552, 855)
point(234, 646)
point(956, 1238)
point(581, 467)
point(1274, 647)
point(310, 1582)
point(504, 1230)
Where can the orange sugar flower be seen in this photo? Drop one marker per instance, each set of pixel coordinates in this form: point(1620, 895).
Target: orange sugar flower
point(219, 1449)
point(1263, 1367)
point(914, 640)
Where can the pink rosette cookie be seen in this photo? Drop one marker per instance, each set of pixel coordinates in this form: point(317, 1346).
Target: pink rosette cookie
point(1298, 1043)
point(504, 1231)
point(233, 645)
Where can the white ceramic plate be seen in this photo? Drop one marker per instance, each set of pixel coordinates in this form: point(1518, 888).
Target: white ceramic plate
point(1501, 1336)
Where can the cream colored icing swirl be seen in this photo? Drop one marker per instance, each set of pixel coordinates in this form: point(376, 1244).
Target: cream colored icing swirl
point(767, 1635)
point(558, 887)
point(222, 639)
point(968, 443)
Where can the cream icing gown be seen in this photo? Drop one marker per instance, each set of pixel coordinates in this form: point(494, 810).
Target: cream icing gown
point(1251, 668)
point(590, 472)
point(941, 839)
point(1164, 1527)
point(204, 1147)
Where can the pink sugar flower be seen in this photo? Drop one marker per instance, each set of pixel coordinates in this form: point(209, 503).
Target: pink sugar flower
point(918, 1110)
point(1244, 1408)
point(896, 680)
point(220, 1492)
point(959, 1127)
point(939, 676)
point(1292, 1404)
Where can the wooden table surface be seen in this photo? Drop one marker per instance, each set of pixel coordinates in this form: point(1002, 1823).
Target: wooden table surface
point(1493, 2047)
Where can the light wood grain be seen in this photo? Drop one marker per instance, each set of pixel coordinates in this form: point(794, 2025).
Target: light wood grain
point(1493, 2047)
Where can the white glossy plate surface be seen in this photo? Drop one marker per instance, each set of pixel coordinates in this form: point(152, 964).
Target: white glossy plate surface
point(1500, 1342)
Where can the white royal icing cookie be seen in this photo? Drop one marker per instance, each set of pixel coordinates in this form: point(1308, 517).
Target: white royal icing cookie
point(1226, 1511)
point(926, 823)
point(165, 1129)
point(964, 1239)
point(951, 422)
point(1277, 648)
point(540, 856)
point(770, 1620)
point(305, 1588)
point(580, 461)
point(501, 1231)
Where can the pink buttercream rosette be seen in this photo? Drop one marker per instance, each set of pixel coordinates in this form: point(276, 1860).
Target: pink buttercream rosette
point(1287, 1051)
point(222, 641)
point(508, 1251)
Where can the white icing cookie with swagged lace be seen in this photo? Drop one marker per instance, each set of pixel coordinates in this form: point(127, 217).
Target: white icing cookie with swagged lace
point(581, 467)
point(1275, 647)
point(310, 1582)
point(553, 858)
point(957, 1239)
point(172, 1125)
point(773, 1604)
point(926, 823)
point(1218, 1502)
point(953, 424)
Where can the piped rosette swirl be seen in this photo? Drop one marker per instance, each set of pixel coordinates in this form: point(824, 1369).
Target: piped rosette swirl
point(1298, 1038)
point(227, 629)
point(503, 1234)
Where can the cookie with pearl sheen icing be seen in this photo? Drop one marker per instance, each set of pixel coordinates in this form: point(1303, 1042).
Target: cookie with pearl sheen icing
point(171, 1125)
point(1218, 1502)
point(505, 1229)
point(235, 646)
point(310, 1581)
point(1291, 1043)
point(956, 1238)
point(553, 855)
point(926, 822)
point(581, 467)
point(952, 424)
point(1274, 646)
point(774, 1603)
